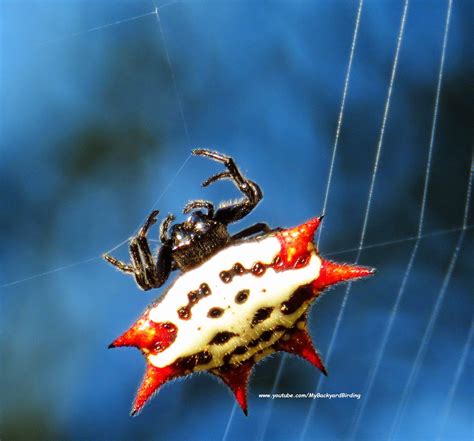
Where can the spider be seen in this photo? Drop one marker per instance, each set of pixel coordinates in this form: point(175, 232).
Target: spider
point(186, 245)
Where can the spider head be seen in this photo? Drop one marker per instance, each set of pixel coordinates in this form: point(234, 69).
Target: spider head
point(196, 226)
point(196, 239)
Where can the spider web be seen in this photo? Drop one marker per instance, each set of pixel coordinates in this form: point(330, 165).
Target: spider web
point(311, 419)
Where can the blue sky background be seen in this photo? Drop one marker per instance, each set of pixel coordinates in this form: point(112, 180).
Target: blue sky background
point(99, 111)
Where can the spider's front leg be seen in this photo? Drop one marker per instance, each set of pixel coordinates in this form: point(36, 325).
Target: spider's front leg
point(253, 194)
point(148, 273)
point(142, 261)
point(151, 273)
point(129, 269)
point(122, 266)
point(164, 260)
point(163, 265)
point(191, 205)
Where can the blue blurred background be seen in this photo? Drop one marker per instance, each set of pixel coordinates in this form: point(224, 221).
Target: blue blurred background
point(99, 111)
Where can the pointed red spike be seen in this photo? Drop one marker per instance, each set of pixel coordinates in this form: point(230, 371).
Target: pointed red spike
point(147, 335)
point(296, 244)
point(332, 272)
point(153, 379)
point(299, 343)
point(237, 378)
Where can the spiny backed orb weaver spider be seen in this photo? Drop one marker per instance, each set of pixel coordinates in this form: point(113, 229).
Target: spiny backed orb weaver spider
point(238, 299)
point(188, 244)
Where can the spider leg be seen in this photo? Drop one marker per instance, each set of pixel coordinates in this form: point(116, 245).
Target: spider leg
point(217, 177)
point(164, 237)
point(155, 273)
point(229, 163)
point(152, 274)
point(164, 265)
point(141, 255)
point(143, 272)
point(253, 194)
point(146, 273)
point(250, 231)
point(151, 219)
point(119, 264)
point(199, 204)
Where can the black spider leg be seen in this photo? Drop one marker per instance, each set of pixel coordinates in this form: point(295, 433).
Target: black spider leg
point(164, 237)
point(147, 274)
point(199, 204)
point(141, 256)
point(164, 259)
point(141, 277)
point(137, 266)
point(253, 229)
point(232, 212)
point(119, 264)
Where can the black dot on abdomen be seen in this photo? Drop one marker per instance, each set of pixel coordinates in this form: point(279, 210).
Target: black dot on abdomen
point(258, 269)
point(297, 299)
point(240, 350)
point(184, 313)
point(242, 296)
point(222, 337)
point(215, 312)
point(261, 315)
point(225, 276)
point(190, 362)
